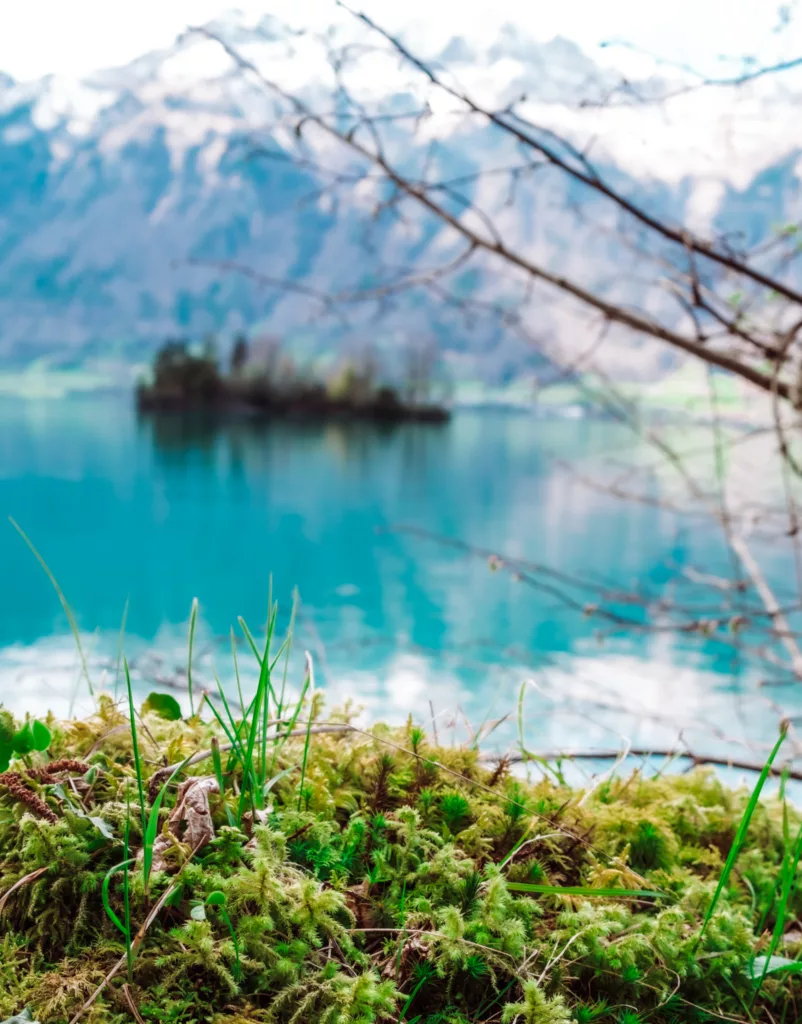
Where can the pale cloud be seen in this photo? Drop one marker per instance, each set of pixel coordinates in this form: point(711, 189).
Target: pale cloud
point(43, 37)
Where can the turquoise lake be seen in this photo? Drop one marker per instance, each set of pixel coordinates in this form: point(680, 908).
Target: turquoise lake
point(157, 513)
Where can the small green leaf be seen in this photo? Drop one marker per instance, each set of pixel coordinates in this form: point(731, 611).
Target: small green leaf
point(5, 757)
point(198, 913)
point(216, 899)
point(102, 826)
point(769, 965)
point(21, 1018)
point(42, 737)
point(23, 740)
point(163, 705)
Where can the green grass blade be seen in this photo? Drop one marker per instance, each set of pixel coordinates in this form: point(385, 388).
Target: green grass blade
point(62, 599)
point(743, 827)
point(104, 893)
point(153, 823)
point(296, 712)
point(227, 919)
point(251, 642)
point(788, 872)
point(287, 645)
point(236, 671)
point(129, 949)
point(525, 838)
point(421, 982)
point(118, 666)
point(221, 784)
point(277, 778)
point(135, 742)
point(248, 765)
point(310, 675)
point(237, 753)
point(584, 890)
point(277, 658)
point(271, 625)
point(233, 733)
point(193, 618)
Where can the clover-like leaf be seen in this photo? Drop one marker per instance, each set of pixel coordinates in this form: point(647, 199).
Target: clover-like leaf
point(42, 737)
point(23, 740)
point(163, 705)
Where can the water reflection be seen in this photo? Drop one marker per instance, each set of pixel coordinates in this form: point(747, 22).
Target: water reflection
point(162, 510)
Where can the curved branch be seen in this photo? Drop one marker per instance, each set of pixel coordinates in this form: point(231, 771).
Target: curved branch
point(614, 313)
point(679, 236)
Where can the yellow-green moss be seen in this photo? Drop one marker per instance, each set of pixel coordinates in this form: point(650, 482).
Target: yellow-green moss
point(378, 892)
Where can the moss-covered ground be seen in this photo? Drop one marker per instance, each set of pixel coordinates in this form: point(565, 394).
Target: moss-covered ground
point(377, 878)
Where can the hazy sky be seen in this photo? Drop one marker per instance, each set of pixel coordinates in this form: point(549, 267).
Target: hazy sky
point(39, 37)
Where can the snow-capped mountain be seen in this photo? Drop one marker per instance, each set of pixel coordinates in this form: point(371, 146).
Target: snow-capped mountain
point(123, 195)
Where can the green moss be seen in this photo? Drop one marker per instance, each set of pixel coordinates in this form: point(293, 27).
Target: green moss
point(382, 893)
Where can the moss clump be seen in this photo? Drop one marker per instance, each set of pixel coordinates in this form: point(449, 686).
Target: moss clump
point(377, 889)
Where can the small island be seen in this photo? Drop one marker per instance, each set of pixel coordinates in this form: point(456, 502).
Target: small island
point(264, 381)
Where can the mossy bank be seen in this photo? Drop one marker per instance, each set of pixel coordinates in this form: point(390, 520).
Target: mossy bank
point(377, 877)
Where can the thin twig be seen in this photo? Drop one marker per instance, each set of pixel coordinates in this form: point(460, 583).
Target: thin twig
point(19, 884)
point(129, 998)
point(140, 935)
point(719, 760)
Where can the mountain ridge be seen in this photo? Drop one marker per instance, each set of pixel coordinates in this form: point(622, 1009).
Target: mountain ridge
point(121, 195)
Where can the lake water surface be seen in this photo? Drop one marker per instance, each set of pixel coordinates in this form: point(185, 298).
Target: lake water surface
point(154, 514)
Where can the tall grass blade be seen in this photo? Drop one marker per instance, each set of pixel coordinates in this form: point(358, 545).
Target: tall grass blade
point(224, 700)
point(129, 949)
point(118, 666)
point(743, 827)
point(262, 688)
point(788, 872)
point(193, 618)
point(288, 646)
point(237, 964)
point(153, 824)
point(235, 732)
point(135, 743)
point(62, 599)
point(237, 753)
point(125, 925)
point(249, 637)
point(310, 675)
point(272, 614)
point(236, 671)
point(297, 711)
